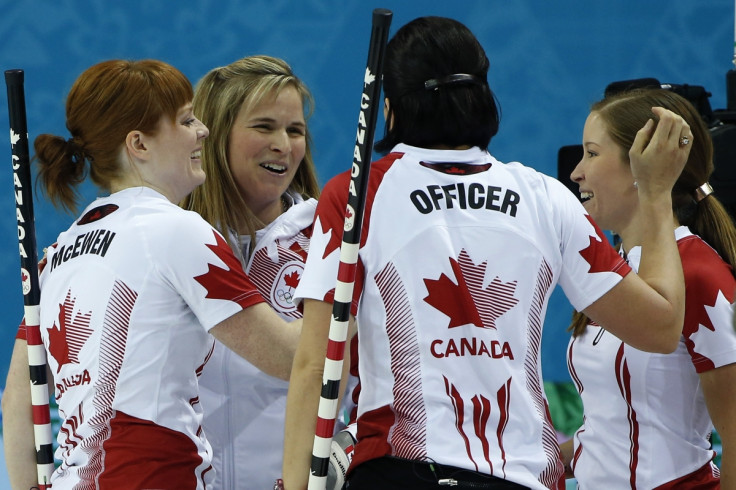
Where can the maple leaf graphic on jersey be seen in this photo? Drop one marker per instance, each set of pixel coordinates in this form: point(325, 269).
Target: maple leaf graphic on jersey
point(297, 248)
point(229, 284)
point(708, 302)
point(701, 320)
point(98, 213)
point(68, 337)
point(335, 238)
point(598, 262)
point(466, 301)
point(292, 279)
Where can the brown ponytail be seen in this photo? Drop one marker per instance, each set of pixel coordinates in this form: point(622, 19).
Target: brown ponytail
point(624, 114)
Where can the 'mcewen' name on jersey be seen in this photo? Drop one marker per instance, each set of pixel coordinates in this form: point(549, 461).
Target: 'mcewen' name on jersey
point(473, 196)
point(95, 242)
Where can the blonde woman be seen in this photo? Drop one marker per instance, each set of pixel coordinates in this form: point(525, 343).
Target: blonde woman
point(260, 193)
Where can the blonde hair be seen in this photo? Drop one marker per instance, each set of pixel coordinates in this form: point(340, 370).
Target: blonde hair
point(218, 98)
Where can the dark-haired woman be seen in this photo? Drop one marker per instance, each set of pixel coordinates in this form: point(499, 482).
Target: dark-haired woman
point(458, 258)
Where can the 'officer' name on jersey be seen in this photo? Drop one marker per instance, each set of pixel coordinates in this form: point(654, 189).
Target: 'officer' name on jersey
point(95, 242)
point(475, 196)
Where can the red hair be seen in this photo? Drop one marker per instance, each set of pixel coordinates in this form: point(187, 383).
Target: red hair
point(106, 102)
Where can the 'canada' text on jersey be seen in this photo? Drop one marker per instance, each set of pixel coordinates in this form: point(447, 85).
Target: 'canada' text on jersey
point(471, 347)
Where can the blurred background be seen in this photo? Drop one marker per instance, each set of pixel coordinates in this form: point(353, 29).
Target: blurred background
point(549, 62)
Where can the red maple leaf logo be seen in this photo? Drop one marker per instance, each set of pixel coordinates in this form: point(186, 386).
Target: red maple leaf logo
point(712, 283)
point(704, 312)
point(332, 211)
point(599, 262)
point(299, 250)
point(23, 276)
point(697, 308)
point(292, 279)
point(68, 337)
point(467, 301)
point(335, 237)
point(98, 213)
point(229, 284)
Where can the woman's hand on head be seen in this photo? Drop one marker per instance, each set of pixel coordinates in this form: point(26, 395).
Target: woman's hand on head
point(658, 155)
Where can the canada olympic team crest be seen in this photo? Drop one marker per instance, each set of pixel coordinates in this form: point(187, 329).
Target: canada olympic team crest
point(25, 278)
point(287, 279)
point(349, 218)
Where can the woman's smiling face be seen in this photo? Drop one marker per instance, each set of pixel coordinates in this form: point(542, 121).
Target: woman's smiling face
point(267, 144)
point(177, 148)
point(604, 178)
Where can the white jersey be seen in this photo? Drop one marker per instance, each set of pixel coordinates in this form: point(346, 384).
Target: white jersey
point(459, 255)
point(244, 407)
point(645, 418)
point(127, 298)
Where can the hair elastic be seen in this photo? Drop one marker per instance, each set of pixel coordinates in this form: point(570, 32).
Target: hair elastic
point(78, 154)
point(72, 143)
point(434, 83)
point(703, 191)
